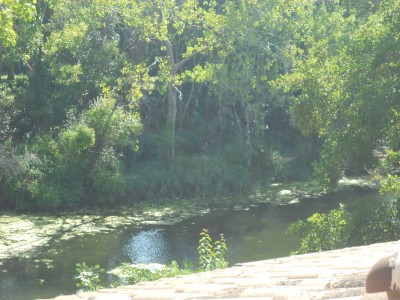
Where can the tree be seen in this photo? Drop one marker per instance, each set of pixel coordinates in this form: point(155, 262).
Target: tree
point(16, 20)
point(81, 164)
point(346, 83)
point(179, 31)
point(72, 124)
point(82, 55)
point(10, 12)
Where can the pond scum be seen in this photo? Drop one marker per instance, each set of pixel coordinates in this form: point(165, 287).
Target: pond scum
point(23, 235)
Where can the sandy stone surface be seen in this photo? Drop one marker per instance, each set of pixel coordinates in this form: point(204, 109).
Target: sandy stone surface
point(337, 274)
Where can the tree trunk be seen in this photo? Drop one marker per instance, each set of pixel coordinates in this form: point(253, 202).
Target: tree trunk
point(172, 91)
point(10, 72)
point(171, 119)
point(183, 111)
point(1, 60)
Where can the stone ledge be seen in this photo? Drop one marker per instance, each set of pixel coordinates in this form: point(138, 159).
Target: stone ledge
point(337, 274)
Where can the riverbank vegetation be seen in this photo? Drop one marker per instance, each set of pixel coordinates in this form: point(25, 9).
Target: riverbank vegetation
point(211, 256)
point(112, 102)
point(362, 223)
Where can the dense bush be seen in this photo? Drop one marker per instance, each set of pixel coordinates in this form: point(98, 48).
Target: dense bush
point(188, 176)
point(322, 232)
point(79, 165)
point(373, 222)
point(229, 169)
point(362, 223)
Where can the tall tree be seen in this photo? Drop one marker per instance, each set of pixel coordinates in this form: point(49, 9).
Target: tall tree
point(179, 31)
point(348, 87)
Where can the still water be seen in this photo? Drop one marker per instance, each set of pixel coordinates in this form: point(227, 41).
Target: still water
point(253, 234)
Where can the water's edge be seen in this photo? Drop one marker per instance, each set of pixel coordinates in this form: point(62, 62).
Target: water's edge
point(24, 235)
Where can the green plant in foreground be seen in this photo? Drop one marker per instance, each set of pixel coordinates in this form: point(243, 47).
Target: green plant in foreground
point(211, 256)
point(88, 276)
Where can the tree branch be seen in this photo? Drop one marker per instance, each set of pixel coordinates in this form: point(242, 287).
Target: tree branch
point(170, 53)
point(185, 60)
point(171, 56)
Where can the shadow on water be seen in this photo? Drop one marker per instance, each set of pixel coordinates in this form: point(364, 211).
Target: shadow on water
point(254, 234)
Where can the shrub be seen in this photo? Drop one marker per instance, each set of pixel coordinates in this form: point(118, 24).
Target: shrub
point(77, 140)
point(211, 256)
point(88, 276)
point(187, 177)
point(79, 164)
point(374, 222)
point(108, 182)
point(362, 224)
point(321, 232)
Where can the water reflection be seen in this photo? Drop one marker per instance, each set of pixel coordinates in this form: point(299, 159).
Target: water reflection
point(163, 245)
point(147, 246)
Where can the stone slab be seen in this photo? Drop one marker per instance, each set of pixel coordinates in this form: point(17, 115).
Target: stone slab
point(335, 275)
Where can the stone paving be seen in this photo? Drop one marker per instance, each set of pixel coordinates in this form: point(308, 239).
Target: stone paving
point(338, 274)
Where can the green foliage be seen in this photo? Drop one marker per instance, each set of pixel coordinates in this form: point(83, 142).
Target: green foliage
point(7, 99)
point(374, 222)
point(114, 126)
point(189, 176)
point(211, 255)
point(88, 277)
point(80, 165)
point(391, 184)
point(108, 181)
point(363, 223)
point(77, 71)
point(77, 140)
point(343, 85)
point(321, 232)
point(391, 167)
point(196, 173)
point(11, 12)
point(218, 85)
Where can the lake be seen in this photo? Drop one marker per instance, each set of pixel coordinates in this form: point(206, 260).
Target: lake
point(254, 234)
